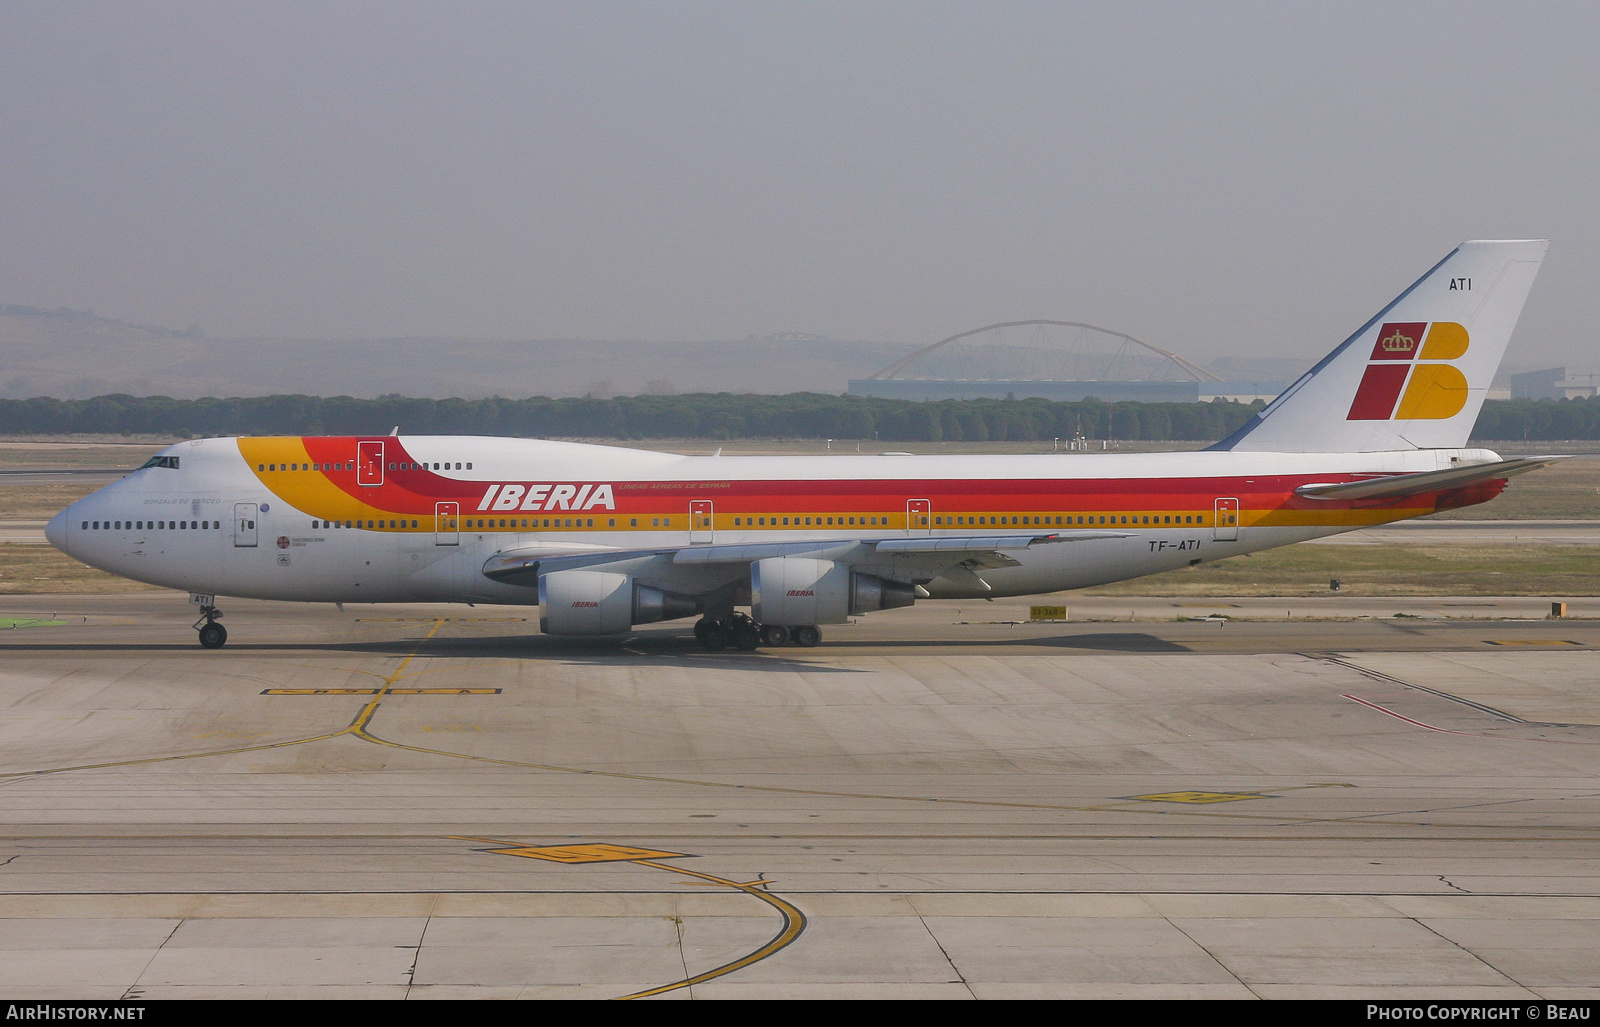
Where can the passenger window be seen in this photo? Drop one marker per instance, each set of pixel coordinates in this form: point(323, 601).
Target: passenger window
point(469, 465)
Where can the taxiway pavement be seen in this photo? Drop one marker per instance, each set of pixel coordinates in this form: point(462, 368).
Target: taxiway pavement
point(432, 801)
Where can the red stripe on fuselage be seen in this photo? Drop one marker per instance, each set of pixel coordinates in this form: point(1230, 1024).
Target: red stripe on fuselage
point(414, 492)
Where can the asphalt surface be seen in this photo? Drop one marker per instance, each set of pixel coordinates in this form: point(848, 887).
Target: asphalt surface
point(384, 802)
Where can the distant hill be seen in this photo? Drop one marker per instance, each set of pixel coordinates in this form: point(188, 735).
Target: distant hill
point(72, 354)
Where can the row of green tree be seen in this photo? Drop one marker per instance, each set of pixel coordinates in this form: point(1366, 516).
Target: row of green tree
point(801, 415)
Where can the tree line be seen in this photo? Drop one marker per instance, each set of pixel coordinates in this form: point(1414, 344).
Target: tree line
point(713, 416)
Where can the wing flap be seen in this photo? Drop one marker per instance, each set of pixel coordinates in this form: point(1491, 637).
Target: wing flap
point(986, 543)
point(523, 566)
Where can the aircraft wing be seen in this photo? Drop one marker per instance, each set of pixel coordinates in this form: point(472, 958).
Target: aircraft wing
point(1396, 486)
point(523, 567)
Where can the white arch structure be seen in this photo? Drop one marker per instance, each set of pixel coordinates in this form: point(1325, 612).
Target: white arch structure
point(1195, 371)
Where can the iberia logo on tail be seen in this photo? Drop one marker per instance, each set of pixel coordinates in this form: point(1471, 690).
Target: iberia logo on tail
point(1408, 377)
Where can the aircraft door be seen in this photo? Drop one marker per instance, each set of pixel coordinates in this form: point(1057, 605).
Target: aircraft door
point(700, 528)
point(446, 524)
point(1225, 528)
point(369, 462)
point(919, 519)
point(244, 525)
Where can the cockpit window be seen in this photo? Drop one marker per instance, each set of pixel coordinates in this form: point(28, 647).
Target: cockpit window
point(161, 461)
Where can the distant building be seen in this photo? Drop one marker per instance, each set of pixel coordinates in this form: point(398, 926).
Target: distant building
point(1554, 383)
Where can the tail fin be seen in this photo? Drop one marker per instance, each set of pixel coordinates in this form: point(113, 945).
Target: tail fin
point(1415, 376)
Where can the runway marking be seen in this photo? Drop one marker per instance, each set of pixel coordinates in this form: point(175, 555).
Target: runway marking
point(1197, 797)
point(1530, 641)
point(1470, 734)
point(375, 691)
point(794, 921)
point(601, 852)
point(1378, 675)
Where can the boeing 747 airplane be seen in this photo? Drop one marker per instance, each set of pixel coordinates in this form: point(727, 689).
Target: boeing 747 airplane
point(605, 538)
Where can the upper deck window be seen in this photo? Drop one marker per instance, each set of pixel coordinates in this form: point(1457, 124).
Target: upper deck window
point(161, 461)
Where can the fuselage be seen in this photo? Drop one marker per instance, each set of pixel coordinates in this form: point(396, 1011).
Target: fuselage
point(404, 519)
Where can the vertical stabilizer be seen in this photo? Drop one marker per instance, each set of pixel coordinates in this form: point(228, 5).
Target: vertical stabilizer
point(1415, 376)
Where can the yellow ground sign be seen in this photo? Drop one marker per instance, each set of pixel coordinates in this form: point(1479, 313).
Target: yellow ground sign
point(598, 853)
point(319, 691)
point(1047, 613)
point(1197, 797)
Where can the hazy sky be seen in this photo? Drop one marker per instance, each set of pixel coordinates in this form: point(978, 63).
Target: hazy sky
point(1249, 179)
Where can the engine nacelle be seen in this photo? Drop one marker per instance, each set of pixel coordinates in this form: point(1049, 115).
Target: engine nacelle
point(603, 603)
point(792, 591)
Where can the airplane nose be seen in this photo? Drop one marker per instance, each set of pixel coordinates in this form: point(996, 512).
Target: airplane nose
point(56, 530)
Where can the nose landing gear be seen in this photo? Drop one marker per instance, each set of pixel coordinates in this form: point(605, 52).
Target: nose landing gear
point(212, 634)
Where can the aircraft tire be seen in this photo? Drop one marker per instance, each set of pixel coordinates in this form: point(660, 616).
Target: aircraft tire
point(715, 638)
point(746, 638)
point(807, 635)
point(213, 635)
point(774, 634)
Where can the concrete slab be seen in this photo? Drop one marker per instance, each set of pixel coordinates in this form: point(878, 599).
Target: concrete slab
point(1538, 954)
point(1075, 950)
point(630, 953)
point(1357, 951)
point(296, 953)
point(956, 809)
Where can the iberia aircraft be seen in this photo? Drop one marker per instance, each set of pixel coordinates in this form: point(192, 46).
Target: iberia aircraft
point(604, 538)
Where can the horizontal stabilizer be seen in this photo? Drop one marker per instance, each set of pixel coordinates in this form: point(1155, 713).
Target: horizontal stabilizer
point(1395, 486)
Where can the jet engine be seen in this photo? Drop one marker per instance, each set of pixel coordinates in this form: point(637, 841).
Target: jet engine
point(792, 591)
point(603, 603)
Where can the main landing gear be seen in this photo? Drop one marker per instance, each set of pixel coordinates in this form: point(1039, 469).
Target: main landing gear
point(212, 634)
point(739, 631)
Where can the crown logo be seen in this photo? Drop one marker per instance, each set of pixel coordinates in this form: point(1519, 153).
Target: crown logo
point(1398, 343)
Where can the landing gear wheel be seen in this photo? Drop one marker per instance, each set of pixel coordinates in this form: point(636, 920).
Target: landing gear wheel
point(774, 634)
point(715, 638)
point(745, 637)
point(213, 635)
point(807, 635)
point(701, 626)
